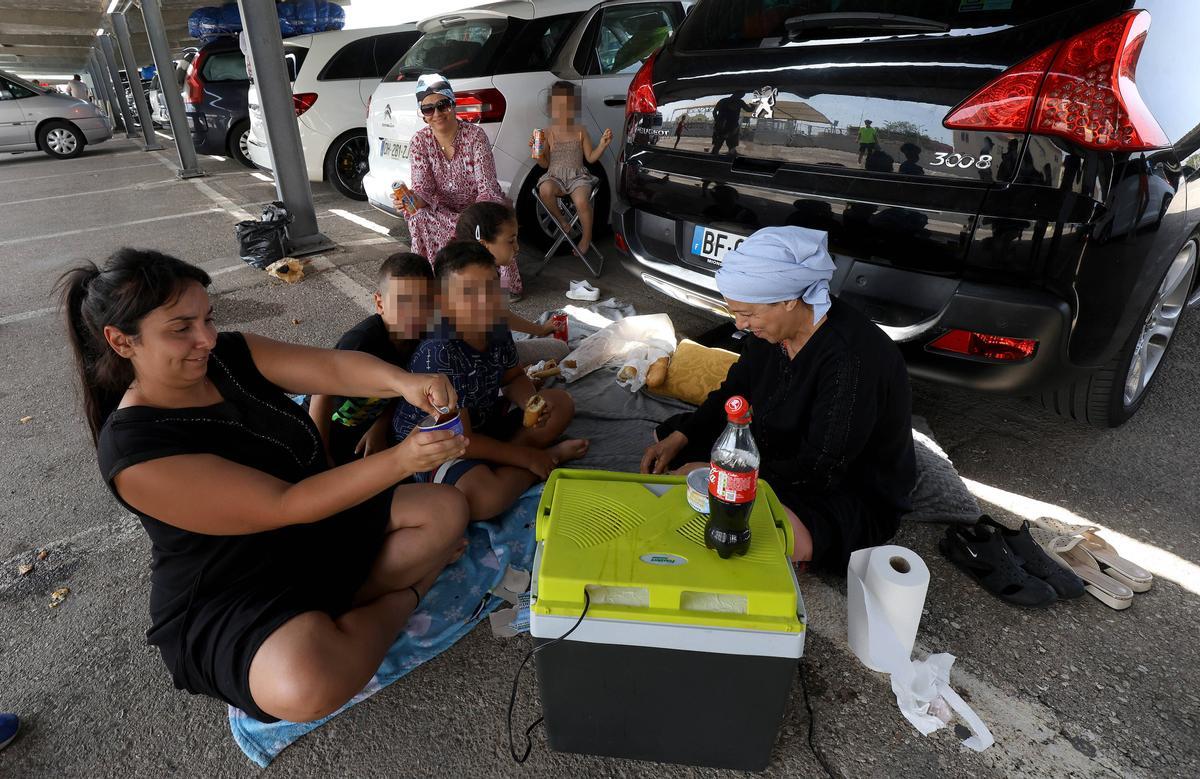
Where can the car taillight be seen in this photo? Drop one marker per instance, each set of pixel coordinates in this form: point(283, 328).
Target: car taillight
point(479, 105)
point(1083, 89)
point(640, 98)
point(619, 240)
point(303, 101)
point(991, 347)
point(193, 87)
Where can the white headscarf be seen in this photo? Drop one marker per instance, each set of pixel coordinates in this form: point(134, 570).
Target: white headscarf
point(777, 264)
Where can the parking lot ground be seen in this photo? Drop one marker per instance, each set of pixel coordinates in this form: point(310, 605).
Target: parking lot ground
point(1073, 690)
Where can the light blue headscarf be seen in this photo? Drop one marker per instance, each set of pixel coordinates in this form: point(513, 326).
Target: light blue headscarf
point(777, 264)
point(434, 83)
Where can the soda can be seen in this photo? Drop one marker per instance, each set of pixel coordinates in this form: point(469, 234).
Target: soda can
point(560, 326)
point(402, 193)
point(539, 143)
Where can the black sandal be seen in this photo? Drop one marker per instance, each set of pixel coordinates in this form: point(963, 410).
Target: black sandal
point(981, 552)
point(1030, 556)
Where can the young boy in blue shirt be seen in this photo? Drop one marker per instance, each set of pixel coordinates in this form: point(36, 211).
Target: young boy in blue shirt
point(475, 350)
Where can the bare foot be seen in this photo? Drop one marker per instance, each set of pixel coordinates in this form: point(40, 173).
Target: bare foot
point(570, 450)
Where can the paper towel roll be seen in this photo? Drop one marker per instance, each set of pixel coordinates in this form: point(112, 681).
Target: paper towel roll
point(886, 588)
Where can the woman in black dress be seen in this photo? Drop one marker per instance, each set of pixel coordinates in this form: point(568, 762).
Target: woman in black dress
point(277, 583)
point(829, 394)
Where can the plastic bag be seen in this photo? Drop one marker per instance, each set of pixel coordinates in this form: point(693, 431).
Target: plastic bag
point(632, 340)
point(264, 242)
point(636, 366)
point(261, 244)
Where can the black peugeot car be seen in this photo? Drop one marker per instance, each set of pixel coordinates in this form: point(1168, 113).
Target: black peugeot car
point(1009, 187)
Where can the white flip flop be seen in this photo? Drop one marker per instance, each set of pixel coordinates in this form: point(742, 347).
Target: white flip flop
point(1067, 551)
point(1123, 570)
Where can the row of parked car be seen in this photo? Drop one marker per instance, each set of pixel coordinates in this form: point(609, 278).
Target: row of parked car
point(1010, 189)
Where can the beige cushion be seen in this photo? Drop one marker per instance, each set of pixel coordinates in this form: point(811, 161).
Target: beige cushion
point(695, 371)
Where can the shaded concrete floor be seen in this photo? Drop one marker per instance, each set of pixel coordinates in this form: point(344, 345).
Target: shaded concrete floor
point(1076, 690)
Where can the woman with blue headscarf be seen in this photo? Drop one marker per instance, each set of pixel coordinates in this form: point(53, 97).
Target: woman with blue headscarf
point(829, 393)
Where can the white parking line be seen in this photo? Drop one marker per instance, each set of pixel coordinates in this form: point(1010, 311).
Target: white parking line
point(140, 185)
point(117, 226)
point(24, 315)
point(360, 221)
point(261, 177)
point(344, 284)
point(76, 173)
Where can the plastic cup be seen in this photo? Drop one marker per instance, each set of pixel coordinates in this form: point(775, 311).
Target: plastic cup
point(451, 422)
point(697, 490)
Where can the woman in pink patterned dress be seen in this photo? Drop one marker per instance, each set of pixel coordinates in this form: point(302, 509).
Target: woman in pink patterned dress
point(452, 168)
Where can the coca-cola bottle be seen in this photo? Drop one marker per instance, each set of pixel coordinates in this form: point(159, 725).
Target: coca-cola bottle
point(732, 483)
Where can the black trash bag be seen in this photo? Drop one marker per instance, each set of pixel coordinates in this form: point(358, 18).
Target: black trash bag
point(261, 243)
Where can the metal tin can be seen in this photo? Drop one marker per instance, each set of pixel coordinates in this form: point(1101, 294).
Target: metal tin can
point(539, 143)
point(697, 490)
point(402, 193)
point(560, 326)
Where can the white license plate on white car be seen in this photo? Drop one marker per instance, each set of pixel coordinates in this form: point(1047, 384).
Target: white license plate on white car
point(712, 244)
point(396, 150)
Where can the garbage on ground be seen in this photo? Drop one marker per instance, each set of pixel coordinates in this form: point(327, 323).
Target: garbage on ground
point(885, 594)
point(25, 569)
point(288, 269)
point(25, 420)
point(263, 242)
point(58, 596)
point(633, 344)
point(43, 554)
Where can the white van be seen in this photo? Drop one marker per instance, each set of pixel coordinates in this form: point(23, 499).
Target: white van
point(501, 59)
point(334, 74)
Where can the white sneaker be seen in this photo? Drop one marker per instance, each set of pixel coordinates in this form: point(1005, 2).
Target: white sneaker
point(582, 290)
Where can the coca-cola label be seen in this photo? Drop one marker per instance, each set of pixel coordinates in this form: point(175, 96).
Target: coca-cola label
point(726, 538)
point(732, 486)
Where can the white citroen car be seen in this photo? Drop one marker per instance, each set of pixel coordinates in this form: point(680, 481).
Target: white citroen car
point(501, 58)
point(334, 74)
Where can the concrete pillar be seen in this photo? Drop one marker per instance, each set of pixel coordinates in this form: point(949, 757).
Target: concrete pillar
point(104, 90)
point(110, 60)
point(156, 32)
point(125, 47)
point(260, 23)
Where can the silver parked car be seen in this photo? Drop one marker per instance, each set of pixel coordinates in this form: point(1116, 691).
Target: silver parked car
point(33, 118)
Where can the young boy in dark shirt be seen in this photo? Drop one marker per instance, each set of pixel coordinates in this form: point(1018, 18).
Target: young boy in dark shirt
point(474, 348)
point(356, 427)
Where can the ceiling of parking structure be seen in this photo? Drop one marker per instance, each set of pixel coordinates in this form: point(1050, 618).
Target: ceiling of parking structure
point(54, 36)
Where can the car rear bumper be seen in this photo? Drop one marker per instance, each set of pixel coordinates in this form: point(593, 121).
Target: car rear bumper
point(991, 309)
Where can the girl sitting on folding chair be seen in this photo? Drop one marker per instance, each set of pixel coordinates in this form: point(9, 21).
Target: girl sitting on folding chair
point(567, 145)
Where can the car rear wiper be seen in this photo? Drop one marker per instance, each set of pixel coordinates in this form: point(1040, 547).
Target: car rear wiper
point(799, 27)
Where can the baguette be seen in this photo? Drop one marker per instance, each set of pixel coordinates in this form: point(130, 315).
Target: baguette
point(656, 374)
point(533, 410)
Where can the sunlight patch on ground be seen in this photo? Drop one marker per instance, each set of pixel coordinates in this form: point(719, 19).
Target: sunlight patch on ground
point(1156, 560)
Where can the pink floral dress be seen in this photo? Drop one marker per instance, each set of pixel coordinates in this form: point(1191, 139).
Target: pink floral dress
point(449, 186)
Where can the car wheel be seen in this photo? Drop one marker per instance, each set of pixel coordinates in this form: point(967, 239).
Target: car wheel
point(61, 140)
point(346, 162)
point(1114, 393)
point(238, 143)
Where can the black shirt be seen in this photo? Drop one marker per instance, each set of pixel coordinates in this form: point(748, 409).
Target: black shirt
point(834, 420)
point(352, 416)
point(214, 598)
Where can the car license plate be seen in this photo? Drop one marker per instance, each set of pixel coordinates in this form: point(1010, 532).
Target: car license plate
point(397, 150)
point(713, 244)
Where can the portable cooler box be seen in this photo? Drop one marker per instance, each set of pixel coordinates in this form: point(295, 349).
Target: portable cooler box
point(682, 657)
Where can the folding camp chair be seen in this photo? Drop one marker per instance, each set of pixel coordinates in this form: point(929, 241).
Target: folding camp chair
point(567, 207)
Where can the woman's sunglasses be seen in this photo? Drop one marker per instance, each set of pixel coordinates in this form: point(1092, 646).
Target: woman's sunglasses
point(445, 105)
